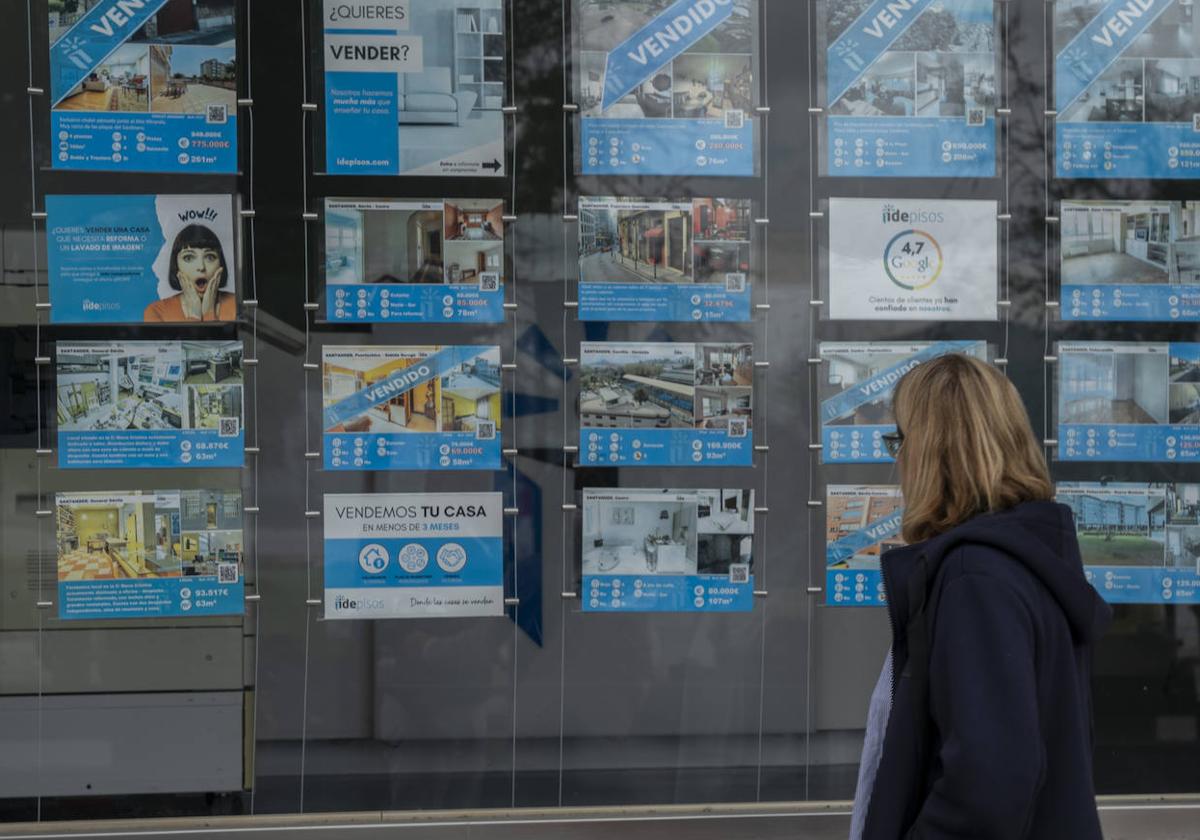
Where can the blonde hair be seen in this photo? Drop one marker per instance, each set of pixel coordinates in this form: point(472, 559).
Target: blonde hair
point(968, 447)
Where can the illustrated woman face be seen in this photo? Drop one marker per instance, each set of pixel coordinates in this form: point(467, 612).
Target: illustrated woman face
point(197, 267)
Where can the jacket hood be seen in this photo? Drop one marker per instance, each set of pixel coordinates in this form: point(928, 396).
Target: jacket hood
point(1041, 537)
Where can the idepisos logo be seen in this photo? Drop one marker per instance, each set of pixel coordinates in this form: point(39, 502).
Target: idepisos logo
point(912, 258)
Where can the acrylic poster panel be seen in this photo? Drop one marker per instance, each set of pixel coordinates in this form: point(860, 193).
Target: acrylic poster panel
point(655, 260)
point(1129, 260)
point(414, 555)
point(912, 259)
point(1128, 401)
point(406, 260)
point(1126, 89)
point(414, 87)
point(861, 522)
point(667, 88)
point(657, 550)
point(1140, 542)
point(911, 88)
point(659, 404)
point(131, 259)
point(149, 404)
point(411, 408)
point(144, 85)
point(162, 553)
point(856, 393)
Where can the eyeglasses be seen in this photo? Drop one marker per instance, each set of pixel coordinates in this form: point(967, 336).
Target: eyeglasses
point(892, 441)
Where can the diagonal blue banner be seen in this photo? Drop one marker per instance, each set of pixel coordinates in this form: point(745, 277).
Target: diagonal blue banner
point(881, 383)
point(864, 537)
point(1106, 36)
point(93, 38)
point(865, 40)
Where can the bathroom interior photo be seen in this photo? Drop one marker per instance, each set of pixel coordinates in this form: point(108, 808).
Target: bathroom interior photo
point(647, 533)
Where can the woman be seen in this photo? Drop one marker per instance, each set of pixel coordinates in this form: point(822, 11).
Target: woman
point(195, 270)
point(988, 681)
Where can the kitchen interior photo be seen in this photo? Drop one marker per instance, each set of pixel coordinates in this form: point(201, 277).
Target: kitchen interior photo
point(1130, 242)
point(107, 390)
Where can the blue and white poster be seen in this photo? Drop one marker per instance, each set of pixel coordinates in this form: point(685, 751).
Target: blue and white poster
point(655, 404)
point(406, 261)
point(155, 554)
point(414, 555)
point(149, 404)
point(911, 88)
point(132, 259)
point(143, 85)
point(657, 550)
point(1129, 260)
point(667, 88)
point(1128, 401)
point(411, 408)
point(1126, 89)
point(656, 260)
point(856, 393)
point(1140, 542)
point(862, 521)
point(414, 87)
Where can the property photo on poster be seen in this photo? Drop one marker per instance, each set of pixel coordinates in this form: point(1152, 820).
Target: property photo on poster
point(656, 260)
point(145, 86)
point(1140, 542)
point(1130, 260)
point(911, 88)
point(913, 259)
point(667, 87)
point(856, 384)
point(1126, 89)
point(656, 550)
point(1128, 401)
point(862, 521)
point(411, 408)
point(415, 87)
point(161, 553)
point(149, 404)
point(414, 555)
point(666, 404)
point(405, 260)
point(129, 259)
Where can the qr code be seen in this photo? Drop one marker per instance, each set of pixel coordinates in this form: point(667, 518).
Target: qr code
point(489, 281)
point(976, 116)
point(228, 427)
point(734, 118)
point(485, 430)
point(737, 428)
point(739, 572)
point(216, 114)
point(1195, 122)
point(227, 573)
point(735, 281)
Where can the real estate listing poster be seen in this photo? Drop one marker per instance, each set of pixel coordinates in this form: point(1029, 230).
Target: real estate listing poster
point(1126, 89)
point(659, 404)
point(911, 88)
point(149, 404)
point(126, 259)
point(143, 85)
point(405, 260)
point(1128, 401)
point(162, 553)
point(414, 87)
point(414, 555)
point(411, 408)
point(913, 259)
point(862, 521)
point(1130, 260)
point(657, 550)
point(667, 87)
point(856, 393)
point(656, 260)
point(1140, 542)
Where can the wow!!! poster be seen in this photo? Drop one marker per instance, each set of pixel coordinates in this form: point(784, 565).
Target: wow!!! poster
point(143, 85)
point(911, 88)
point(667, 88)
point(1126, 82)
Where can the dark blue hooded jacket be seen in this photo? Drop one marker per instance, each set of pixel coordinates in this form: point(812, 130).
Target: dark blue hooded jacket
point(990, 732)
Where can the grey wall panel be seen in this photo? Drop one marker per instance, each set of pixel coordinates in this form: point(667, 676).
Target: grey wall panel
point(850, 647)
